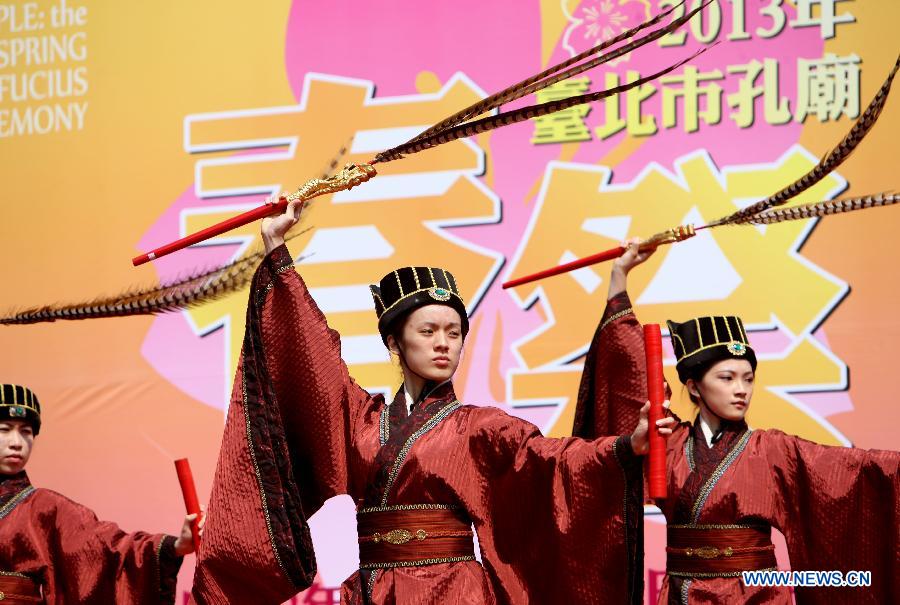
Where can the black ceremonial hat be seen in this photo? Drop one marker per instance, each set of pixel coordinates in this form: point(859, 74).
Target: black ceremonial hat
point(20, 403)
point(408, 288)
point(707, 339)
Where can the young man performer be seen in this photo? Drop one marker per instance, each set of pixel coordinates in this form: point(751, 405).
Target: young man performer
point(55, 551)
point(555, 518)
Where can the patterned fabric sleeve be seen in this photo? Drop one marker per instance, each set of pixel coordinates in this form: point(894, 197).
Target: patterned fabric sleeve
point(285, 449)
point(561, 518)
point(168, 564)
point(319, 403)
point(839, 509)
point(103, 564)
point(613, 383)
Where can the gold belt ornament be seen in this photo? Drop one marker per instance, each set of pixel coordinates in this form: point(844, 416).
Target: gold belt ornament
point(718, 550)
point(708, 552)
point(399, 536)
point(413, 535)
point(403, 536)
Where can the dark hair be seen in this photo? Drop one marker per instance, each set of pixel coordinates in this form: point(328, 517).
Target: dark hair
point(696, 374)
point(395, 328)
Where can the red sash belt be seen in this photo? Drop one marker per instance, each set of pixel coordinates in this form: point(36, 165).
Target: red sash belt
point(716, 551)
point(413, 535)
point(18, 590)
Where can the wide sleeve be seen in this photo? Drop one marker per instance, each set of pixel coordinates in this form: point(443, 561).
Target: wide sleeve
point(614, 380)
point(96, 562)
point(559, 520)
point(839, 509)
point(285, 448)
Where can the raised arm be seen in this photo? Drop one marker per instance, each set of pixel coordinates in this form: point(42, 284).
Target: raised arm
point(319, 404)
point(618, 277)
point(288, 440)
point(613, 383)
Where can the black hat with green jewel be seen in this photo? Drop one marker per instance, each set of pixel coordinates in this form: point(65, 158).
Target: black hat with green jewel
point(404, 290)
point(20, 403)
point(704, 340)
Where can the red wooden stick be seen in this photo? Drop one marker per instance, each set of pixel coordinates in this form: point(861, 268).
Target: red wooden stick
point(670, 236)
point(267, 209)
point(189, 491)
point(656, 474)
point(571, 266)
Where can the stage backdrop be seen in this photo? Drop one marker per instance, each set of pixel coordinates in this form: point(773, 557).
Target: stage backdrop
point(125, 125)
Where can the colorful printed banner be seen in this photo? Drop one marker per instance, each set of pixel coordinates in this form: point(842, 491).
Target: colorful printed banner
point(125, 126)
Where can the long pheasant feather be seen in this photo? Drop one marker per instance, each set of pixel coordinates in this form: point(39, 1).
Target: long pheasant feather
point(518, 115)
point(537, 82)
point(180, 294)
point(818, 209)
point(828, 163)
point(611, 55)
point(184, 293)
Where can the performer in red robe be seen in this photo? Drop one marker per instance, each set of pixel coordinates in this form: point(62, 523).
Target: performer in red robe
point(728, 484)
point(556, 519)
point(56, 551)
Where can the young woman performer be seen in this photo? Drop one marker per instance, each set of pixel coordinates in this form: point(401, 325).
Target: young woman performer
point(555, 518)
point(53, 550)
point(728, 485)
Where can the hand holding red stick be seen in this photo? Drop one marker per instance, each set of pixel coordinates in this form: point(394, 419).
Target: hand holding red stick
point(189, 491)
point(350, 176)
point(666, 237)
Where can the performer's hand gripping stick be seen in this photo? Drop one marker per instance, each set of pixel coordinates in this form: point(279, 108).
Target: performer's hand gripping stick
point(656, 476)
point(189, 491)
point(666, 237)
point(350, 176)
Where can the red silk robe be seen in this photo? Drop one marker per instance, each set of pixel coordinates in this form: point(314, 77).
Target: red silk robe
point(556, 519)
point(838, 508)
point(76, 558)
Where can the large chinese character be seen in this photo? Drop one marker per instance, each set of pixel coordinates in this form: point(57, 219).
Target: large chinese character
point(775, 107)
point(826, 20)
point(637, 125)
point(566, 126)
point(691, 90)
point(357, 236)
point(828, 87)
point(718, 271)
